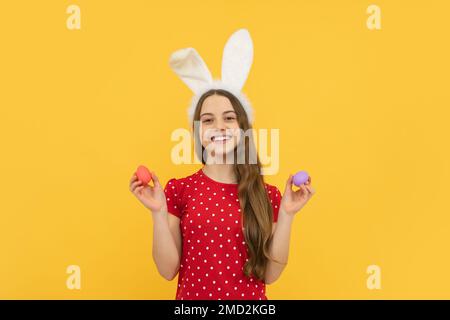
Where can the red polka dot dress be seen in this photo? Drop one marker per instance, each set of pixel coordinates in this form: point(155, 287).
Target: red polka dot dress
point(214, 249)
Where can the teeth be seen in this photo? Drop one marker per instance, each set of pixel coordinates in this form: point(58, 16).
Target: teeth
point(220, 138)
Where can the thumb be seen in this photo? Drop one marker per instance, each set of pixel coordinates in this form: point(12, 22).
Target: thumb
point(289, 182)
point(155, 179)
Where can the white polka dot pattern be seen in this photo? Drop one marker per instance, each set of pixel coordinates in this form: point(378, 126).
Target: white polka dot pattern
point(214, 249)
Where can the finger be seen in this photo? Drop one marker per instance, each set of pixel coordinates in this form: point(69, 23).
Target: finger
point(156, 182)
point(303, 188)
point(309, 181)
point(138, 189)
point(135, 184)
point(133, 177)
point(288, 186)
point(310, 189)
point(289, 182)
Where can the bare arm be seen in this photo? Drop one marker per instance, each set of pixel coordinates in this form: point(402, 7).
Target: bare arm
point(166, 249)
point(279, 247)
point(291, 202)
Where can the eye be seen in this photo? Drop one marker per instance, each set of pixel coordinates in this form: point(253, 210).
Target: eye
point(207, 120)
point(230, 118)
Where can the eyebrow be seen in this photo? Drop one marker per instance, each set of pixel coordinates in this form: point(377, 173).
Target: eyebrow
point(208, 113)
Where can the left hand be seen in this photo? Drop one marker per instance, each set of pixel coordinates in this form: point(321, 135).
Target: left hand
point(292, 201)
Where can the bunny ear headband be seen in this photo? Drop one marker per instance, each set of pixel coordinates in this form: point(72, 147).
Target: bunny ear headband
point(236, 62)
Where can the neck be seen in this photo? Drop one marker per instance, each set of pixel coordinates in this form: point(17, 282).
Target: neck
point(220, 172)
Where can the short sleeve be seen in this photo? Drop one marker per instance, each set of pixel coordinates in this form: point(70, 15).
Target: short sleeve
point(275, 200)
point(173, 198)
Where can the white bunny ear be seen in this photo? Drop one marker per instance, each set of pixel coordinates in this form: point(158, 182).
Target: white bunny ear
point(191, 68)
point(237, 59)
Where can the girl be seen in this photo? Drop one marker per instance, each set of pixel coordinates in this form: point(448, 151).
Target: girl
point(223, 229)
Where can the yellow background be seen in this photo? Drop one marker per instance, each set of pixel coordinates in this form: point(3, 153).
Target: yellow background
point(366, 113)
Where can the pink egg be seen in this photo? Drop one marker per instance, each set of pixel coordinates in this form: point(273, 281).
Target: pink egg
point(300, 178)
point(143, 174)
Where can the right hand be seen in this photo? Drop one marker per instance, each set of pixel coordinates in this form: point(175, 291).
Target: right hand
point(152, 197)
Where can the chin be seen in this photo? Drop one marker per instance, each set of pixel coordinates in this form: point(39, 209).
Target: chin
point(222, 150)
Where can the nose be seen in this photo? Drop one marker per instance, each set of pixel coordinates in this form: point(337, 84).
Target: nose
point(220, 125)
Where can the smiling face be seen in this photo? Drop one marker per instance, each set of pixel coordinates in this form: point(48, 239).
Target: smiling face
point(219, 126)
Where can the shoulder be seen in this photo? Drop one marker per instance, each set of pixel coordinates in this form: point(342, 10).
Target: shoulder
point(274, 196)
point(273, 193)
point(177, 190)
point(182, 182)
point(272, 190)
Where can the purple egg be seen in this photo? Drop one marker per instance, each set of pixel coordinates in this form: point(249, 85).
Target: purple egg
point(300, 178)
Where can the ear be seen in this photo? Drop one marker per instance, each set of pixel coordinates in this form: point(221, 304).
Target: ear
point(237, 59)
point(191, 68)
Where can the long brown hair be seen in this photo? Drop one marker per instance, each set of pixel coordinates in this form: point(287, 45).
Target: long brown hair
point(253, 198)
